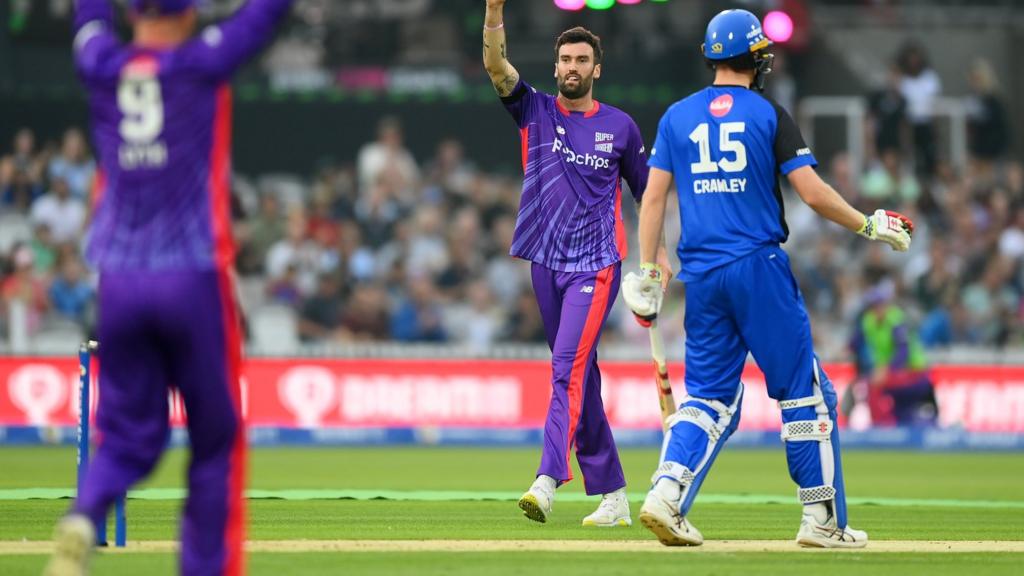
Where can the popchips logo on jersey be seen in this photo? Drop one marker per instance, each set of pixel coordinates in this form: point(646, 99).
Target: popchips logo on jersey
point(571, 157)
point(721, 106)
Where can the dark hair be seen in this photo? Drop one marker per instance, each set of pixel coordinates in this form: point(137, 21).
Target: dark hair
point(577, 35)
point(741, 63)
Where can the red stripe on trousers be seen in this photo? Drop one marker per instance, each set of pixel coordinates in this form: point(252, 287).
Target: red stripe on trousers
point(234, 531)
point(224, 247)
point(591, 330)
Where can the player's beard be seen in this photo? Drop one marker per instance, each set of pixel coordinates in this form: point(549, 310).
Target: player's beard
point(579, 91)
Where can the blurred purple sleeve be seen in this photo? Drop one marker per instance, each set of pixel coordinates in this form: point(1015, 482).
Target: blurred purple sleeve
point(95, 40)
point(634, 163)
point(223, 48)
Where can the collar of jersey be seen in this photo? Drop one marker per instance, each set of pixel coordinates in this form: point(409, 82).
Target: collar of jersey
point(730, 86)
point(587, 114)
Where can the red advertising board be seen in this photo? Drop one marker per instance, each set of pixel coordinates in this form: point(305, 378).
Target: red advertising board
point(307, 393)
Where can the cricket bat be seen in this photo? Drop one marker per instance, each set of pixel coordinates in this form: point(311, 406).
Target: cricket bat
point(665, 398)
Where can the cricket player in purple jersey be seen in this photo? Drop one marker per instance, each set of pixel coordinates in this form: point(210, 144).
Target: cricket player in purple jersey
point(160, 238)
point(575, 153)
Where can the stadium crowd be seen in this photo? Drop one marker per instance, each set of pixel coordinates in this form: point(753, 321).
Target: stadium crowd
point(389, 247)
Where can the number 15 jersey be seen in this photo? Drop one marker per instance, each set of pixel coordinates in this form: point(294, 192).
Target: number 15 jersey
point(162, 127)
point(726, 147)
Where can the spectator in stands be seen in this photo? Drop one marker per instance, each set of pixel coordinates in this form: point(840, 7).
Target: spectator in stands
point(992, 302)
point(887, 117)
point(508, 277)
point(44, 252)
point(934, 290)
point(820, 280)
point(894, 363)
point(463, 265)
point(449, 171)
point(428, 252)
point(357, 260)
point(379, 212)
point(525, 325)
point(24, 159)
point(418, 316)
point(988, 132)
point(475, 322)
point(24, 290)
point(259, 234)
point(295, 254)
point(321, 312)
point(386, 153)
point(18, 190)
point(920, 87)
point(284, 289)
point(365, 317)
point(1011, 241)
point(61, 212)
point(71, 294)
point(888, 181)
point(74, 165)
point(324, 228)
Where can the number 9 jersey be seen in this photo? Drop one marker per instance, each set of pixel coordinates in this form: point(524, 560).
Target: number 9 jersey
point(726, 147)
point(162, 128)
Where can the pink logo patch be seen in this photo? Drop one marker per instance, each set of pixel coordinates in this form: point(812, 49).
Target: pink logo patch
point(721, 106)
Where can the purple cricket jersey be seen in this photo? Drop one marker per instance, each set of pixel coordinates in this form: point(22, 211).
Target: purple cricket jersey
point(162, 127)
point(570, 214)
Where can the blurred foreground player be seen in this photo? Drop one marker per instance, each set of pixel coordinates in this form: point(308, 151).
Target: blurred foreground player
point(160, 238)
point(575, 152)
point(725, 147)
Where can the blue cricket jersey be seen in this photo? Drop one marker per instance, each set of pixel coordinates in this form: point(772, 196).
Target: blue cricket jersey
point(726, 147)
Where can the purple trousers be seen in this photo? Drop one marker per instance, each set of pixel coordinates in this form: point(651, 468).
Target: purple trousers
point(575, 306)
point(159, 330)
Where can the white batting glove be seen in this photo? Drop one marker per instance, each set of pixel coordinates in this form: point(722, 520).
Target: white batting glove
point(893, 228)
point(643, 292)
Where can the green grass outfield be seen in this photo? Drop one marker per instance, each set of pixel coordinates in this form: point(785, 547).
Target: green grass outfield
point(896, 496)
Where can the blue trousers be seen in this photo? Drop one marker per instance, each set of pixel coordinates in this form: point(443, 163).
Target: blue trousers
point(753, 305)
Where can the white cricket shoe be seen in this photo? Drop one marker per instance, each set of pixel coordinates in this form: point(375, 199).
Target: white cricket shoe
point(662, 517)
point(74, 539)
point(537, 502)
point(813, 534)
point(612, 511)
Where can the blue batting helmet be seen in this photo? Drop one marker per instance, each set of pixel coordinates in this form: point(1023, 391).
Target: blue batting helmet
point(733, 33)
point(161, 7)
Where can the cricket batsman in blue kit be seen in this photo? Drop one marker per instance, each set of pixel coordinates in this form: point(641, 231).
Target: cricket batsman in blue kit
point(725, 148)
point(575, 152)
point(161, 240)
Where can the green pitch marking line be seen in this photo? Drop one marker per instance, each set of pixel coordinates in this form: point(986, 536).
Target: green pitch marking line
point(392, 546)
point(447, 496)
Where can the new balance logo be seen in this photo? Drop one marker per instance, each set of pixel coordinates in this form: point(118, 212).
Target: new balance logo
point(587, 290)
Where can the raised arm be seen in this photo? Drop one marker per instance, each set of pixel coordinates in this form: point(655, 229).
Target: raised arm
point(95, 39)
point(223, 48)
point(503, 75)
